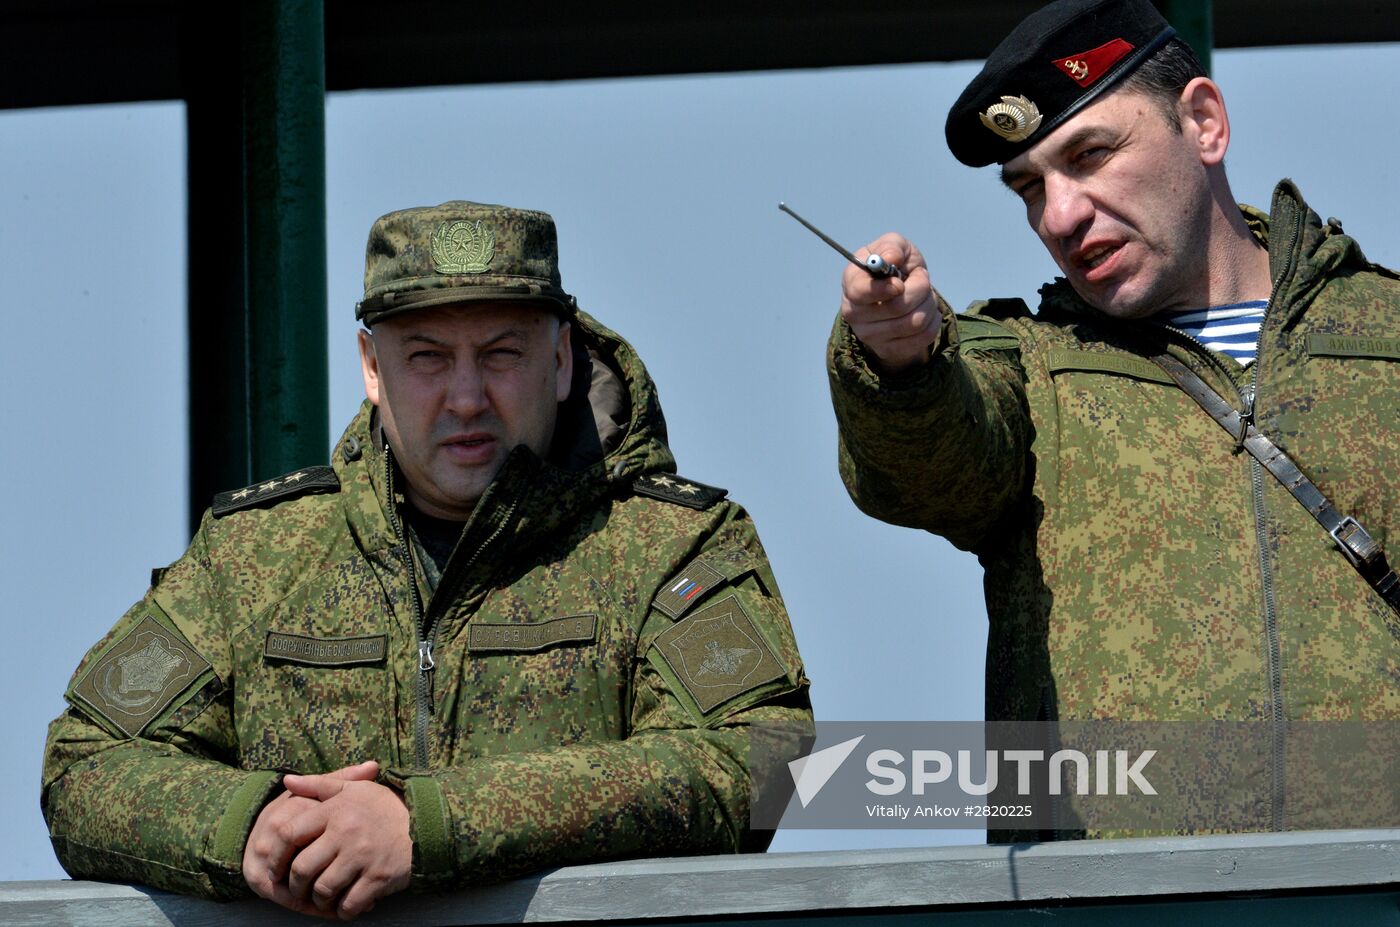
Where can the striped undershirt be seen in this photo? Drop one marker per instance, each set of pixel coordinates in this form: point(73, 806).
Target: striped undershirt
point(1232, 329)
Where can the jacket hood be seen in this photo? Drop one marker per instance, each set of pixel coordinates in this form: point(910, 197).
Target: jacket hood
point(609, 432)
point(1303, 251)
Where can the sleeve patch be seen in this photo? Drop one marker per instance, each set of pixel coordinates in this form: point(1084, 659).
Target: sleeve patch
point(686, 588)
point(718, 654)
point(302, 482)
point(139, 676)
point(669, 487)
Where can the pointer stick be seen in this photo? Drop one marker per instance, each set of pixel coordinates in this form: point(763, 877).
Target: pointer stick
point(874, 265)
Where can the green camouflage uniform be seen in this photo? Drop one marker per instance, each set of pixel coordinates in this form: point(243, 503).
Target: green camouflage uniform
point(1137, 566)
point(578, 708)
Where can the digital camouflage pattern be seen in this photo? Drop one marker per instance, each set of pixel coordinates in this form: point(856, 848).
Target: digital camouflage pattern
point(1137, 566)
point(553, 728)
point(457, 252)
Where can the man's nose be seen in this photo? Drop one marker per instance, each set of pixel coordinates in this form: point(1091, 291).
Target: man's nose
point(1067, 207)
point(466, 391)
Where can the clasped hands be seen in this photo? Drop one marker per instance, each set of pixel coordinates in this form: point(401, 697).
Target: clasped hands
point(330, 845)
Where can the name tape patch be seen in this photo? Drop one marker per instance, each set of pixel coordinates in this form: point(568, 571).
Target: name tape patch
point(717, 653)
point(523, 638)
point(140, 676)
point(1321, 345)
point(1065, 360)
point(326, 651)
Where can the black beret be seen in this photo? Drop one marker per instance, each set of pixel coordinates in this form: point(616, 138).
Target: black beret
point(1053, 64)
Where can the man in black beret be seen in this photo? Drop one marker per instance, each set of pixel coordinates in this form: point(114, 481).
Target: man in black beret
point(1142, 562)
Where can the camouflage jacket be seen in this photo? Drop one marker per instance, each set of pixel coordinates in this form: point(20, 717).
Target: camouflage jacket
point(600, 641)
point(1137, 566)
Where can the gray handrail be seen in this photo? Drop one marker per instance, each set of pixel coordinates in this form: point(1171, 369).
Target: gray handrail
point(833, 883)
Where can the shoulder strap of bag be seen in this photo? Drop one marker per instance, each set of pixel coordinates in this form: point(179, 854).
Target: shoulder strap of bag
point(1355, 543)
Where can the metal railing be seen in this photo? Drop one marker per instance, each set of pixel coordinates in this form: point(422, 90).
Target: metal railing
point(1326, 877)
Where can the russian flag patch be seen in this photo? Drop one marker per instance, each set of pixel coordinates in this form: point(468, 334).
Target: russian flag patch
point(686, 588)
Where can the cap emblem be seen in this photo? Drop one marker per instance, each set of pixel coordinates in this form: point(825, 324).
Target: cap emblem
point(462, 248)
point(1014, 118)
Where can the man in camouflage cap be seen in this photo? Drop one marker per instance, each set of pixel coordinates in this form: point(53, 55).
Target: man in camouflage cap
point(1140, 564)
point(497, 633)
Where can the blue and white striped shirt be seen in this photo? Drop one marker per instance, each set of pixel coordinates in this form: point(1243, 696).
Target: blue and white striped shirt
point(1232, 329)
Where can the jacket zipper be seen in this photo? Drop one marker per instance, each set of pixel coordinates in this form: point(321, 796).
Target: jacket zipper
point(429, 638)
point(1249, 396)
point(427, 629)
point(423, 706)
point(1279, 719)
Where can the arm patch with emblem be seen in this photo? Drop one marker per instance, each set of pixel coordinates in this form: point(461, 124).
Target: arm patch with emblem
point(718, 654)
point(139, 675)
point(669, 487)
point(300, 483)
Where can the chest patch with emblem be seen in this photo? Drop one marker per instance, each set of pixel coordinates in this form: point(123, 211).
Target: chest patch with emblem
point(717, 653)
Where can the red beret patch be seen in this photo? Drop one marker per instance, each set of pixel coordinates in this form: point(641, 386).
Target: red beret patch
point(1087, 67)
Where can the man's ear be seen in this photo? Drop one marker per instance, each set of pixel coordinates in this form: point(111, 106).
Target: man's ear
point(369, 366)
point(564, 362)
point(1204, 117)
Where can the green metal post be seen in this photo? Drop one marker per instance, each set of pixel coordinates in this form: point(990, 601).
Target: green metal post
point(1194, 23)
point(284, 105)
point(217, 313)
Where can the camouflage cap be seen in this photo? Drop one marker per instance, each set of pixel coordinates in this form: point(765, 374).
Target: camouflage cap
point(460, 252)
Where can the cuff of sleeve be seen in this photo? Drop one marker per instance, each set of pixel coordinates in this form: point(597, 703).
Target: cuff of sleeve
point(231, 833)
point(431, 829)
point(850, 366)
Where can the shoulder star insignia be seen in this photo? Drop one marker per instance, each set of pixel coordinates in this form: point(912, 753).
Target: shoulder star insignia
point(677, 489)
point(306, 481)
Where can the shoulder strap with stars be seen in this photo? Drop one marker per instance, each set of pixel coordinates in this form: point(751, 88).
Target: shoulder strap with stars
point(302, 482)
point(668, 487)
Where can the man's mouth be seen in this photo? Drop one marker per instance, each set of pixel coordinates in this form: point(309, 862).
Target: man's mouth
point(470, 448)
point(1095, 256)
